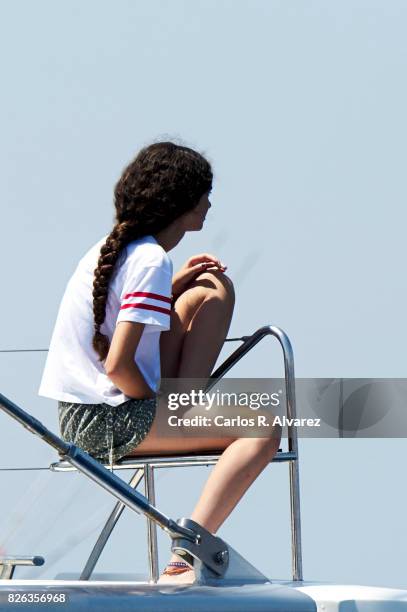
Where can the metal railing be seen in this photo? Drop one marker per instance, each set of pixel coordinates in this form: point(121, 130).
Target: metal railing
point(146, 466)
point(184, 532)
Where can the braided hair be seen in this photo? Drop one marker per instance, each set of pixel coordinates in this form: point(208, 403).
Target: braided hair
point(160, 184)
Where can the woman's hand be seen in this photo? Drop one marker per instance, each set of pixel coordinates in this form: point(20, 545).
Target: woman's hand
point(191, 268)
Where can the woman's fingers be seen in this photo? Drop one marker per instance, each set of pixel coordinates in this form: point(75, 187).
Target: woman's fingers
point(200, 267)
point(187, 274)
point(208, 265)
point(205, 258)
point(214, 265)
point(200, 263)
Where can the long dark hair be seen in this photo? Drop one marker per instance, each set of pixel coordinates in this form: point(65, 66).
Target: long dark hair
point(160, 184)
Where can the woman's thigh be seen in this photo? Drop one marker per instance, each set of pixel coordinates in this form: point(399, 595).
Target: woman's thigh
point(157, 442)
point(163, 439)
point(206, 285)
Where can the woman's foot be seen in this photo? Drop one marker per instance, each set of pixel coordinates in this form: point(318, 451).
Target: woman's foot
point(177, 572)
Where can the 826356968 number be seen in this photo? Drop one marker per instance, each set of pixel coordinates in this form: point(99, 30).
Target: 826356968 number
point(44, 598)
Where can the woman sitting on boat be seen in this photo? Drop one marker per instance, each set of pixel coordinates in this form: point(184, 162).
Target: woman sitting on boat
point(108, 353)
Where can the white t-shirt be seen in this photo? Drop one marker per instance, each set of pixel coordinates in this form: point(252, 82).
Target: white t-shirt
point(140, 291)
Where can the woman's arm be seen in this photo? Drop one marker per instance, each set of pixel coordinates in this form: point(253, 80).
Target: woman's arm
point(120, 366)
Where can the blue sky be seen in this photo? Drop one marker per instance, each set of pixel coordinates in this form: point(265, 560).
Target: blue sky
point(300, 107)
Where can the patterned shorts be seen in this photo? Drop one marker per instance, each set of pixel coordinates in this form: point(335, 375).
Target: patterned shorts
point(107, 432)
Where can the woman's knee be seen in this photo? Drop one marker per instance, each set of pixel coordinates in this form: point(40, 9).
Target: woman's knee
point(217, 284)
point(269, 445)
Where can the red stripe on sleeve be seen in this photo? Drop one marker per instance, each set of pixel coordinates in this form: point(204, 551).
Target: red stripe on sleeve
point(155, 296)
point(147, 307)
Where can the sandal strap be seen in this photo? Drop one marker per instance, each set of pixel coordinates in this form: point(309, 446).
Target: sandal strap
point(177, 564)
point(176, 567)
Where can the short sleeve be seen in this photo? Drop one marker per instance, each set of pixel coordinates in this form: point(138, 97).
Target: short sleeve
point(146, 297)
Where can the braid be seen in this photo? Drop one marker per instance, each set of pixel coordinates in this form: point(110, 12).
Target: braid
point(118, 239)
point(164, 181)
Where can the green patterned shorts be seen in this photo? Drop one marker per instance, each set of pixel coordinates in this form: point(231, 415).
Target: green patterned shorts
point(106, 432)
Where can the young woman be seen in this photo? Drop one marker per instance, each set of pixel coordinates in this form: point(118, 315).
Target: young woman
point(107, 353)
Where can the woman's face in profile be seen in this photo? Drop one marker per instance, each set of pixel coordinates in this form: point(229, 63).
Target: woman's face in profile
point(194, 218)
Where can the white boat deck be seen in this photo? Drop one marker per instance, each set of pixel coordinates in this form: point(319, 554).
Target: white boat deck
point(126, 596)
point(143, 597)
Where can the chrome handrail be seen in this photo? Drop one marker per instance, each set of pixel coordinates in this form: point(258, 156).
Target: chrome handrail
point(138, 462)
point(248, 343)
point(149, 463)
point(214, 560)
point(9, 564)
point(126, 492)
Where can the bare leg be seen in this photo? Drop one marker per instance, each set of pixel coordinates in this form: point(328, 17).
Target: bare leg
point(200, 322)
point(199, 325)
point(238, 466)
